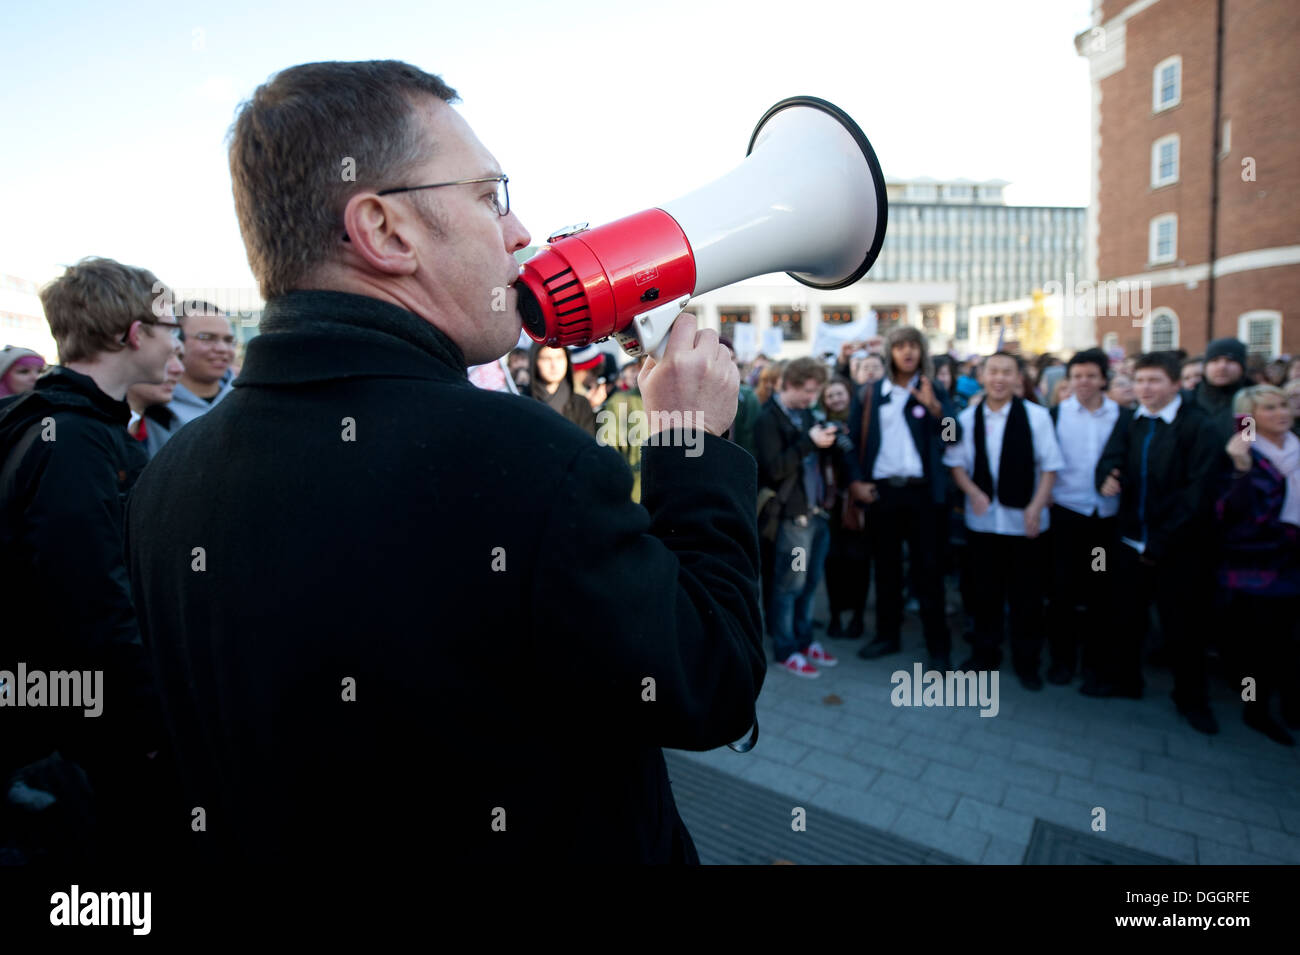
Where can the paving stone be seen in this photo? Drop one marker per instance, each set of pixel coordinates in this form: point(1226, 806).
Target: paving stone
point(784, 779)
point(817, 713)
point(951, 753)
point(941, 834)
point(1003, 823)
point(1064, 812)
point(1048, 758)
point(883, 757)
point(1147, 783)
point(1119, 734)
point(864, 807)
point(776, 748)
point(1198, 823)
point(1283, 797)
point(1024, 732)
point(869, 729)
point(1236, 807)
point(1096, 794)
point(1129, 757)
point(1002, 852)
point(927, 722)
point(839, 770)
point(979, 738)
point(1273, 842)
point(924, 796)
point(1290, 820)
point(1216, 853)
point(962, 781)
point(818, 737)
point(1142, 834)
point(1019, 774)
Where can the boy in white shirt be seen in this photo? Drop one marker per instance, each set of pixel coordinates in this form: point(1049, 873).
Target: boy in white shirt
point(1006, 464)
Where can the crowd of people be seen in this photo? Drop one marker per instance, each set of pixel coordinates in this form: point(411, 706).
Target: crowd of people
point(293, 575)
point(1052, 503)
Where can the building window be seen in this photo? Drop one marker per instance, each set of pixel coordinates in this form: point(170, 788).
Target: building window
point(789, 319)
point(1160, 332)
point(922, 192)
point(1261, 330)
point(1225, 143)
point(887, 316)
point(1164, 161)
point(1167, 84)
point(837, 315)
point(1163, 239)
point(728, 318)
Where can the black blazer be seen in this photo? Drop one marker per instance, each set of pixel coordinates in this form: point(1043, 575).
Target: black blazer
point(458, 559)
point(1179, 494)
point(927, 432)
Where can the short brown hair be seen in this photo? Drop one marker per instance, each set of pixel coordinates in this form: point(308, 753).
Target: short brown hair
point(289, 152)
point(92, 305)
point(803, 370)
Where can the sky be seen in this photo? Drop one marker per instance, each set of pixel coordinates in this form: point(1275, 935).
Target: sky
point(114, 116)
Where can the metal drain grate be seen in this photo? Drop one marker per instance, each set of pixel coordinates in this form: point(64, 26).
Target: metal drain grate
point(737, 823)
point(1050, 844)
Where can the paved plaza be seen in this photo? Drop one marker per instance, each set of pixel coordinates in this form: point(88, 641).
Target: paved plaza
point(946, 779)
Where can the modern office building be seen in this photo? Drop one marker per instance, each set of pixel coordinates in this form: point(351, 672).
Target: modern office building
point(1196, 170)
point(22, 317)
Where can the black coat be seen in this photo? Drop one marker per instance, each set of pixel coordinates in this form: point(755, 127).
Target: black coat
point(66, 467)
point(459, 559)
point(1181, 465)
point(928, 434)
point(781, 449)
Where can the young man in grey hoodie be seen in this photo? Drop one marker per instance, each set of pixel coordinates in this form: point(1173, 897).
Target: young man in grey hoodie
point(209, 350)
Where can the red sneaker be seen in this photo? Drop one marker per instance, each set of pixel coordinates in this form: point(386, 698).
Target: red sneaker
point(818, 655)
point(797, 664)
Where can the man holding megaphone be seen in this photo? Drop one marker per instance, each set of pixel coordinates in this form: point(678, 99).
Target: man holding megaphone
point(372, 612)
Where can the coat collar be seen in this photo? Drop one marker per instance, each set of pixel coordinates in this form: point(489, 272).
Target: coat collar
point(322, 336)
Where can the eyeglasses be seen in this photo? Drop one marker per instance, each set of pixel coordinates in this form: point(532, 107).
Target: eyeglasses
point(209, 337)
point(175, 327)
point(501, 199)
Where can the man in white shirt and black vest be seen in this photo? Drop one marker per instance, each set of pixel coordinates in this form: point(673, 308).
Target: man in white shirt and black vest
point(1006, 464)
point(1083, 524)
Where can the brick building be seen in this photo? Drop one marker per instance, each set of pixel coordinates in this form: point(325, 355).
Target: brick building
point(1196, 169)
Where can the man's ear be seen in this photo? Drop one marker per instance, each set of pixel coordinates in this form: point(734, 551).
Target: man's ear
point(375, 234)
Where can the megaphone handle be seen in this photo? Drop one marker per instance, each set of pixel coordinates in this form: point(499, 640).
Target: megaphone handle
point(651, 328)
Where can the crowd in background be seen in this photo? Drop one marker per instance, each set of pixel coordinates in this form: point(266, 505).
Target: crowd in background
point(1097, 514)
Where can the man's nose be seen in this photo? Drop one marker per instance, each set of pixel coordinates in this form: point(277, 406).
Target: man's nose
point(516, 235)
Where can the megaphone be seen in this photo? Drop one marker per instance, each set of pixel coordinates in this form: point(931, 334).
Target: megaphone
point(808, 200)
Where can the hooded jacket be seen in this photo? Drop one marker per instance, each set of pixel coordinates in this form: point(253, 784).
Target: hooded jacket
point(187, 406)
point(68, 465)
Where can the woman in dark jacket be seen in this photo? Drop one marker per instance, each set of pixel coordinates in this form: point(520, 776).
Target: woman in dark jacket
point(1259, 516)
point(848, 560)
point(551, 381)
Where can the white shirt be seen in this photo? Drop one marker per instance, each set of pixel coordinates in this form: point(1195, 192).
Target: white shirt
point(898, 456)
point(1082, 435)
point(1000, 519)
point(1167, 414)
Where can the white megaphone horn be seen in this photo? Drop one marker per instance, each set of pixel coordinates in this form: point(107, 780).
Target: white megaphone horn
point(808, 200)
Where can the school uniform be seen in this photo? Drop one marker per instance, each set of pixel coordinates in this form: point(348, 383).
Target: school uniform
point(1006, 452)
point(1166, 463)
point(899, 448)
point(1084, 531)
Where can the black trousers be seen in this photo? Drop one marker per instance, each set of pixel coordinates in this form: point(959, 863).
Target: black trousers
point(1266, 648)
point(848, 565)
point(1081, 595)
point(908, 514)
point(1180, 586)
point(1007, 571)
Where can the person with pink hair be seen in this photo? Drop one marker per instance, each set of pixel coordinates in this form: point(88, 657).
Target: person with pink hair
point(19, 369)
